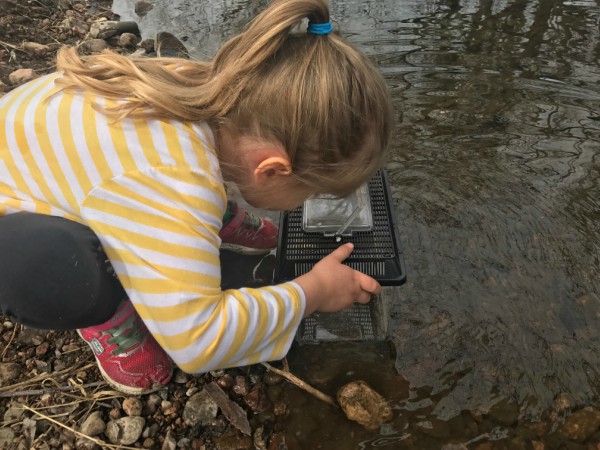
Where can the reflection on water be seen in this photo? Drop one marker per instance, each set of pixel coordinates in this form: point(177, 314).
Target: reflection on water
point(496, 179)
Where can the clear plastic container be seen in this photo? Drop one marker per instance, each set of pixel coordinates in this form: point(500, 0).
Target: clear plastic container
point(338, 216)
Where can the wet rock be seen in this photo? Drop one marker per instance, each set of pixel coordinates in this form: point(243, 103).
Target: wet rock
point(129, 40)
point(94, 45)
point(109, 28)
point(280, 441)
point(257, 399)
point(9, 372)
point(504, 413)
point(7, 436)
point(141, 8)
point(132, 406)
point(581, 424)
point(272, 378)
point(148, 45)
point(234, 440)
point(35, 48)
point(363, 405)
point(21, 76)
point(200, 409)
point(434, 427)
point(125, 431)
point(93, 425)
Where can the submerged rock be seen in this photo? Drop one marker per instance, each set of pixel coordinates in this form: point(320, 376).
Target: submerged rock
point(581, 424)
point(363, 405)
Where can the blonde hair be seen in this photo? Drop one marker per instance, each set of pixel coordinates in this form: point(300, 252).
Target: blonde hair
point(317, 95)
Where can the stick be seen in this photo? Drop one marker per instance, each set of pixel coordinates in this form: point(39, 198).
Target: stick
point(50, 390)
point(302, 385)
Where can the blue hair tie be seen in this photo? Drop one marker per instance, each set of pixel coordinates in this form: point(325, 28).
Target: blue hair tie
point(319, 28)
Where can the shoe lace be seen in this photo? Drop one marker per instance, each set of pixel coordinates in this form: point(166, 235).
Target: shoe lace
point(250, 221)
point(125, 335)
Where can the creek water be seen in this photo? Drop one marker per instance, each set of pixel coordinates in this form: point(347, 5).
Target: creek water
point(496, 181)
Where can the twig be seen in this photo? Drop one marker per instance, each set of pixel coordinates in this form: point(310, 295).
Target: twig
point(93, 439)
point(43, 377)
point(302, 385)
point(51, 390)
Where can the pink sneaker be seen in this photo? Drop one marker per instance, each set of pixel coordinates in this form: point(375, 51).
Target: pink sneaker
point(129, 358)
point(249, 234)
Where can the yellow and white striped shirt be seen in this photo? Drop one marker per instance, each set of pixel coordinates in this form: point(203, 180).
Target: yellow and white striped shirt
point(152, 191)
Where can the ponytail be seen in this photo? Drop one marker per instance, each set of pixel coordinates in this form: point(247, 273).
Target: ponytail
point(316, 94)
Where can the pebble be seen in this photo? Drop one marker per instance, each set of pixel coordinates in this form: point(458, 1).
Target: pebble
point(21, 76)
point(93, 425)
point(142, 7)
point(14, 412)
point(240, 386)
point(128, 40)
point(7, 437)
point(257, 399)
point(200, 409)
point(94, 45)
point(125, 431)
point(132, 406)
point(9, 372)
point(581, 424)
point(181, 377)
point(170, 442)
point(34, 47)
point(225, 382)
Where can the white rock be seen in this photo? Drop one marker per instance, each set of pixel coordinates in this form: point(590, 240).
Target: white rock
point(125, 431)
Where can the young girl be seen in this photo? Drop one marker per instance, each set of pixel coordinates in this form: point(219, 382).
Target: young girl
point(112, 194)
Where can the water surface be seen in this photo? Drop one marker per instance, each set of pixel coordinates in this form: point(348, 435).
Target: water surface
point(496, 182)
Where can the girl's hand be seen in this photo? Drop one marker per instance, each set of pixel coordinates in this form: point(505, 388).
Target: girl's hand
point(331, 286)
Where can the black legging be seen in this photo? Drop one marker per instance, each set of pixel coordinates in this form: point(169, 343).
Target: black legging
point(54, 274)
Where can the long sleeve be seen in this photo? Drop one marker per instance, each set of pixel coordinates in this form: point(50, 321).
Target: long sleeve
point(160, 230)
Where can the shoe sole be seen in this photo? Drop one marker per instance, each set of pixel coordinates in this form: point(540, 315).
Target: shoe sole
point(246, 250)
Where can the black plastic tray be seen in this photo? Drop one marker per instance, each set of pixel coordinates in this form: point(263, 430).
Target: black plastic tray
point(377, 252)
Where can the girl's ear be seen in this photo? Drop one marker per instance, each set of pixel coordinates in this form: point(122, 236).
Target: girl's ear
point(272, 166)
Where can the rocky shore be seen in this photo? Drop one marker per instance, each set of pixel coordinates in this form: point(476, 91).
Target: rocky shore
point(53, 397)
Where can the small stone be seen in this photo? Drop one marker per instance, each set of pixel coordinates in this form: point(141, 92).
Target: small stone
point(8, 325)
point(148, 443)
point(170, 442)
point(85, 444)
point(152, 403)
point(14, 412)
point(115, 414)
point(240, 386)
point(148, 45)
point(9, 372)
point(42, 349)
point(94, 45)
point(128, 40)
point(200, 409)
point(21, 76)
point(35, 48)
point(280, 408)
point(363, 405)
point(225, 382)
point(257, 400)
point(181, 377)
point(272, 378)
point(7, 436)
point(125, 431)
point(93, 425)
point(132, 406)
